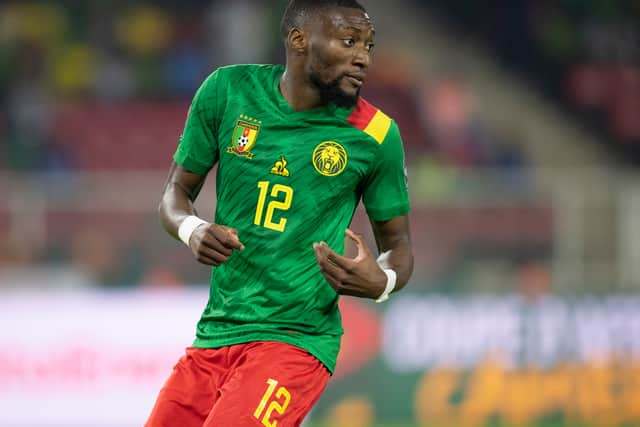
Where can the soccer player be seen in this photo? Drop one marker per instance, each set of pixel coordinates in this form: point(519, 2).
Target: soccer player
point(296, 149)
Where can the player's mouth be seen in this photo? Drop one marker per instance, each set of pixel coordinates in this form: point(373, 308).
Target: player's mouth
point(355, 79)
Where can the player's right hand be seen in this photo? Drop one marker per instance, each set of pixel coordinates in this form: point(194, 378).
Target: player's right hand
point(213, 244)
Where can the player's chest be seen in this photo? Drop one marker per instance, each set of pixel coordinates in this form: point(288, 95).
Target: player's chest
point(319, 153)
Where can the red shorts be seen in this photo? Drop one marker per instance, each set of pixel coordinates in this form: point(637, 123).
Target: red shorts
point(261, 383)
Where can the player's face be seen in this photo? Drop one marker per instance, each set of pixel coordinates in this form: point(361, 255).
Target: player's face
point(340, 46)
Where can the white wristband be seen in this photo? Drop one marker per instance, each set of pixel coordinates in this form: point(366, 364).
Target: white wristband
point(188, 225)
point(391, 284)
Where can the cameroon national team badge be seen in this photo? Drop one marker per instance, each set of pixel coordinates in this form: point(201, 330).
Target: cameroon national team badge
point(329, 158)
point(280, 168)
point(244, 137)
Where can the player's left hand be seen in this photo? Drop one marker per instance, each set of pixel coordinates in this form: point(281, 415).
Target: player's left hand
point(360, 276)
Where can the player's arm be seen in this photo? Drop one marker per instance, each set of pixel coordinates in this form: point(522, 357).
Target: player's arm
point(386, 199)
point(394, 242)
point(211, 244)
point(364, 275)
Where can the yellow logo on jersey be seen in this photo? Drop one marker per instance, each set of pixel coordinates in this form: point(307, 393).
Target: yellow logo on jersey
point(280, 168)
point(329, 158)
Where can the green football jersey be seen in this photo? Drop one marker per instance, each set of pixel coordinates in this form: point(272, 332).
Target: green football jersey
point(285, 180)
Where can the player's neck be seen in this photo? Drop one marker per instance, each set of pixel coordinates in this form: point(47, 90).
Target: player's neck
point(298, 92)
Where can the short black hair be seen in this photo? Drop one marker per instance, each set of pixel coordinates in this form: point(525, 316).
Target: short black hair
point(298, 10)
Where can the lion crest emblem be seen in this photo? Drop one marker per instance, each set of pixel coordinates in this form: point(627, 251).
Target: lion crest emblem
point(329, 158)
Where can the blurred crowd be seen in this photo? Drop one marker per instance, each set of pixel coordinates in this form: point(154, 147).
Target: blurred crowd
point(72, 73)
point(55, 56)
point(583, 53)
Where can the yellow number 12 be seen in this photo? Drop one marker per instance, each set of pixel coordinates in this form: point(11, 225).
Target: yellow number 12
point(280, 405)
point(282, 205)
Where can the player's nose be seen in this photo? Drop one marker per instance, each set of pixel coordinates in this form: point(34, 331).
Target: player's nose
point(361, 58)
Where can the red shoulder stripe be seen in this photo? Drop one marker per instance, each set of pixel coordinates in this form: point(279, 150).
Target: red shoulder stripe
point(362, 114)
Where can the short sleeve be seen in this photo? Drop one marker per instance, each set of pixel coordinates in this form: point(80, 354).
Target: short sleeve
point(386, 194)
point(198, 147)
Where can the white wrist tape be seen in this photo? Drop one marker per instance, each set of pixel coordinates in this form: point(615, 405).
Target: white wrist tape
point(188, 225)
point(391, 284)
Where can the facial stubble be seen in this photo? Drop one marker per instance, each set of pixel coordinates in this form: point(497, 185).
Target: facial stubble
point(330, 92)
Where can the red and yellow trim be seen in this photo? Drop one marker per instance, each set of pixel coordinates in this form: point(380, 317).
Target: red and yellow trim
point(370, 120)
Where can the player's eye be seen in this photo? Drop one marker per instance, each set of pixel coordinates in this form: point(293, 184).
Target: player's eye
point(349, 42)
point(370, 46)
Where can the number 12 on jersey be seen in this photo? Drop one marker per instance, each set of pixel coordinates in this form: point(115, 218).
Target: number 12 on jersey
point(273, 205)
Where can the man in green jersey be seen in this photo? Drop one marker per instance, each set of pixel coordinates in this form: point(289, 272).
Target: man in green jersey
point(296, 150)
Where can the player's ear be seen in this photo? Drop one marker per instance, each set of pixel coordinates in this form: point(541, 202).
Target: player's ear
point(297, 41)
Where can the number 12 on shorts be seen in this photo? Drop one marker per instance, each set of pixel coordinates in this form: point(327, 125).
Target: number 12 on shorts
point(276, 403)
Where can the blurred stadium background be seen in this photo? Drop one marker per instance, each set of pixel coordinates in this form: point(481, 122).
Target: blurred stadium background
point(521, 122)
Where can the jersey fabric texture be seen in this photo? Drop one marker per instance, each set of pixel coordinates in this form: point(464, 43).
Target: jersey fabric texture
point(285, 180)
